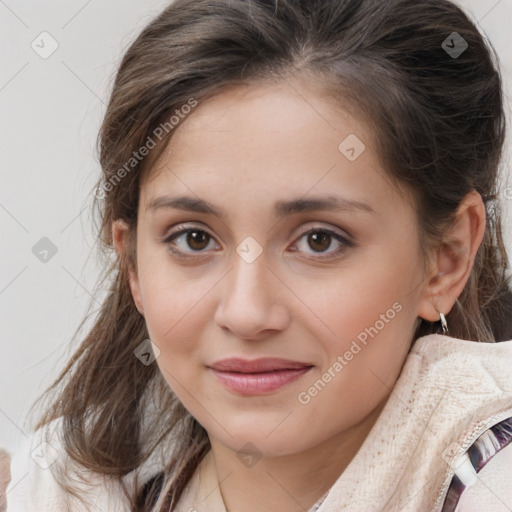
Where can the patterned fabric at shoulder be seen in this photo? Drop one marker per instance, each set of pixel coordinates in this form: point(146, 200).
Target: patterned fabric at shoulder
point(486, 446)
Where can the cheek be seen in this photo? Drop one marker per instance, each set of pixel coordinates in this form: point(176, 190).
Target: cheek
point(169, 295)
point(358, 305)
point(367, 326)
point(174, 318)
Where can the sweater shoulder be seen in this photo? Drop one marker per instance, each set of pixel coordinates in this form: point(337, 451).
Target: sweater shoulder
point(40, 463)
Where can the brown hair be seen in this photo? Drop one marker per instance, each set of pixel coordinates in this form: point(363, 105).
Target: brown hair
point(439, 126)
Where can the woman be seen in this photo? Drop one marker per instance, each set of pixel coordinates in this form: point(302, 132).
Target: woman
point(310, 280)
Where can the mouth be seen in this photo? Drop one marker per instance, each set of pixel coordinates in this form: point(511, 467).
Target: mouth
point(259, 376)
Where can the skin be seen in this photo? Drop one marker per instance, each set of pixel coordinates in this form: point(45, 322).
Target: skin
point(242, 151)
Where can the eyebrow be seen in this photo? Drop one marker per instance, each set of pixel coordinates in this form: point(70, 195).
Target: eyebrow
point(281, 208)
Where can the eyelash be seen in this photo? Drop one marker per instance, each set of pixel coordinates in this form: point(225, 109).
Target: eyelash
point(346, 244)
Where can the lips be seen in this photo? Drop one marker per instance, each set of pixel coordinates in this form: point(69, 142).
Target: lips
point(257, 365)
point(258, 376)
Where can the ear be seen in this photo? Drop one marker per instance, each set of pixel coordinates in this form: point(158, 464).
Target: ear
point(453, 261)
point(120, 231)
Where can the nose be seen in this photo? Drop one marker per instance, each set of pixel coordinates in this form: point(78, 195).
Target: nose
point(251, 304)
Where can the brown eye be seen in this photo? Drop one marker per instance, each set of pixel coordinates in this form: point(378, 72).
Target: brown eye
point(196, 239)
point(185, 242)
point(319, 240)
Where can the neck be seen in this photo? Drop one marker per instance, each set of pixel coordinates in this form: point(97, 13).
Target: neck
point(288, 483)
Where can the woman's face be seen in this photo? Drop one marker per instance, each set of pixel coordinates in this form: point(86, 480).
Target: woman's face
point(311, 257)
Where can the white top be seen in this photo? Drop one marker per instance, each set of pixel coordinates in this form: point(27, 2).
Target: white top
point(448, 393)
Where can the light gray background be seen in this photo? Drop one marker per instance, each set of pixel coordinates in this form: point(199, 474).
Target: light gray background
point(51, 111)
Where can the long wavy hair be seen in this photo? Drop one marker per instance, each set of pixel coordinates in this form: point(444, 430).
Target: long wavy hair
point(439, 123)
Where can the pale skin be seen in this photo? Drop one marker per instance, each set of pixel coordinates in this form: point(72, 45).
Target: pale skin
point(242, 151)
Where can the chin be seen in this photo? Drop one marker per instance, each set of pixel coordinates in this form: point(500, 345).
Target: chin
point(263, 441)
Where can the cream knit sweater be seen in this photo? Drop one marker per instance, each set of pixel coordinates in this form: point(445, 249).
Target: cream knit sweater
point(448, 393)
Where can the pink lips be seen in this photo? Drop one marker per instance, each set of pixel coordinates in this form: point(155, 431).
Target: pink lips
point(257, 376)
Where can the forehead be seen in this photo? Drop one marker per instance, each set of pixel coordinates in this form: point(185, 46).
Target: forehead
point(278, 116)
point(267, 139)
